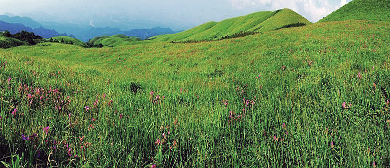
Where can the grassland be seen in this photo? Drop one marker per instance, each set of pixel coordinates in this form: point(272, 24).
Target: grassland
point(67, 40)
point(115, 40)
point(312, 96)
point(253, 23)
point(274, 102)
point(361, 10)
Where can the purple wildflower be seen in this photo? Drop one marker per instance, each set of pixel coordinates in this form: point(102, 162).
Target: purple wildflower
point(46, 130)
point(158, 142)
point(38, 154)
point(14, 112)
point(231, 114)
point(70, 152)
point(24, 138)
point(34, 135)
point(359, 75)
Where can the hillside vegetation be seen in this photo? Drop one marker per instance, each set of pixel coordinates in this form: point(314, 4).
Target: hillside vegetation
point(378, 10)
point(239, 26)
point(111, 41)
point(8, 42)
point(67, 40)
point(311, 96)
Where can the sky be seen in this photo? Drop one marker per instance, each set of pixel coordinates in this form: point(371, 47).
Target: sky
point(175, 14)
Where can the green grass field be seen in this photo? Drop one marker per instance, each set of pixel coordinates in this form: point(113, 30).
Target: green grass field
point(253, 23)
point(115, 40)
point(311, 96)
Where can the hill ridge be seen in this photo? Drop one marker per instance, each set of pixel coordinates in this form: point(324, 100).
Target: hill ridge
point(239, 26)
point(361, 10)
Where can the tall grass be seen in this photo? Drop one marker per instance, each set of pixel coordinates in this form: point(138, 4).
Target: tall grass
point(314, 96)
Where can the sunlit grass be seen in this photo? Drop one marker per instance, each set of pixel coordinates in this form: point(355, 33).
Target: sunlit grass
point(270, 100)
point(259, 22)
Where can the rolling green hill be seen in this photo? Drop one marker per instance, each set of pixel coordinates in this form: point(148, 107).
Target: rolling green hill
point(256, 22)
point(361, 10)
point(67, 40)
point(111, 41)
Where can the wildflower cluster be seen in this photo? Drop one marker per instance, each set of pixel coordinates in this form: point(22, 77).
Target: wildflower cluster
point(99, 102)
point(155, 99)
point(55, 74)
point(233, 117)
point(345, 106)
point(308, 61)
point(167, 143)
point(165, 139)
point(2, 64)
point(30, 137)
point(281, 135)
point(43, 141)
point(84, 145)
point(225, 102)
point(248, 104)
point(37, 97)
point(359, 75)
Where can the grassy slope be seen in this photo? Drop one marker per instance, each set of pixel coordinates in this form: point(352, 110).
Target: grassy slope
point(361, 10)
point(297, 76)
point(115, 40)
point(256, 22)
point(68, 40)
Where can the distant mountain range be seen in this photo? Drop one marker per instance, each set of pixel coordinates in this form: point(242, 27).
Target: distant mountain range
point(22, 20)
point(46, 30)
point(87, 34)
point(17, 27)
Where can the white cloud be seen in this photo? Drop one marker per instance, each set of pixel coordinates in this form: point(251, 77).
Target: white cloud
point(91, 23)
point(318, 9)
point(343, 2)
